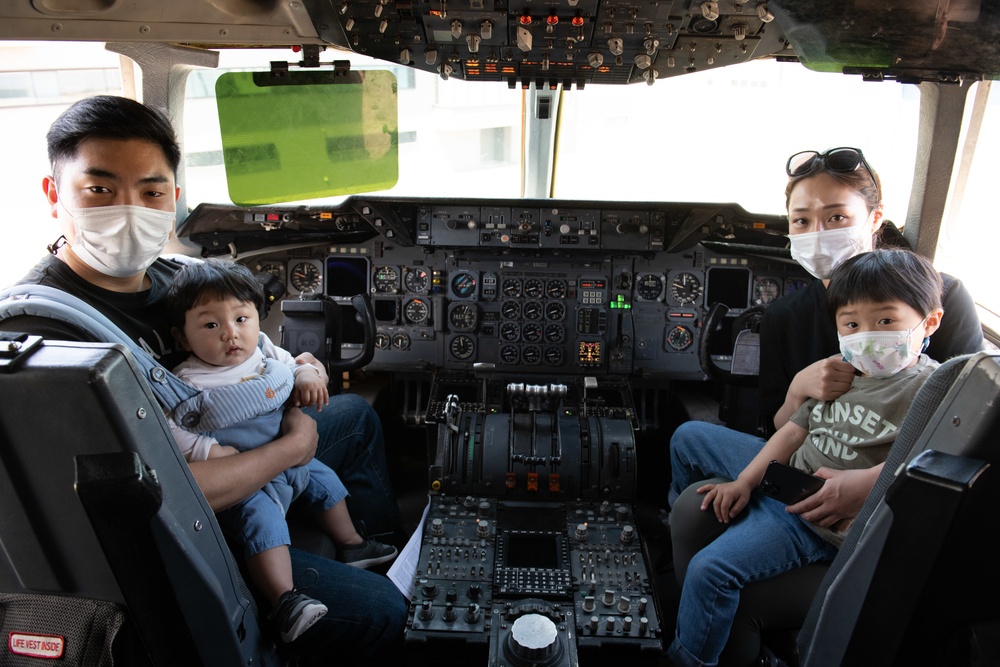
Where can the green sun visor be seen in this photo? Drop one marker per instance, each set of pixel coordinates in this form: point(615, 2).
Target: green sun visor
point(307, 135)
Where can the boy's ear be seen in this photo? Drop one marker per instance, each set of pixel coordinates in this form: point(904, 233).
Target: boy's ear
point(180, 338)
point(933, 321)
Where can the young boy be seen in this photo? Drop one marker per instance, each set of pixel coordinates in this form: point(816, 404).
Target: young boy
point(215, 308)
point(886, 304)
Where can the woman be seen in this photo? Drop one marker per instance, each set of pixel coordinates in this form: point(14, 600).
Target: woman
point(834, 212)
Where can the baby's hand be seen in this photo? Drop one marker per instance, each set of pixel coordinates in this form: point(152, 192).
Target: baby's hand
point(310, 390)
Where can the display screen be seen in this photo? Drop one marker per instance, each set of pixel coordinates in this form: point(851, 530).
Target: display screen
point(533, 550)
point(346, 276)
point(351, 330)
point(730, 286)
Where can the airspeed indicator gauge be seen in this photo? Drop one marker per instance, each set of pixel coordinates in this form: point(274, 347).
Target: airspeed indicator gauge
point(685, 288)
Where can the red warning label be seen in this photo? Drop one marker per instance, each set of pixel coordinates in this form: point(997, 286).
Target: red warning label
point(36, 646)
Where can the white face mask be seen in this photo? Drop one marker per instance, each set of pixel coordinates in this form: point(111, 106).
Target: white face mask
point(820, 253)
point(120, 240)
point(880, 353)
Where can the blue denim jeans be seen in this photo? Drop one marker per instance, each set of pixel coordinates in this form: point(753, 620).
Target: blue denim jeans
point(351, 442)
point(258, 523)
point(365, 618)
point(366, 612)
point(762, 542)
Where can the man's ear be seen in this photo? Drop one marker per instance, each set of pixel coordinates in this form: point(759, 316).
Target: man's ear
point(933, 321)
point(180, 338)
point(49, 188)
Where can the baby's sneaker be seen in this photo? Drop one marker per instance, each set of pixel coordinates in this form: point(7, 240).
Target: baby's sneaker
point(366, 554)
point(295, 614)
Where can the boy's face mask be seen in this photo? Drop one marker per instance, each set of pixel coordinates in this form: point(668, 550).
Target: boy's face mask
point(881, 353)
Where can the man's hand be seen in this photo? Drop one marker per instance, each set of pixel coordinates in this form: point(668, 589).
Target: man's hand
point(310, 389)
point(300, 429)
point(840, 499)
point(727, 499)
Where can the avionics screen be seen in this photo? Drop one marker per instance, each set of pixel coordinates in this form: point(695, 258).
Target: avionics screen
point(351, 331)
point(730, 286)
point(346, 276)
point(532, 550)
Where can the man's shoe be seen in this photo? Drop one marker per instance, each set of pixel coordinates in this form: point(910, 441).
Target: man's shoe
point(366, 554)
point(295, 614)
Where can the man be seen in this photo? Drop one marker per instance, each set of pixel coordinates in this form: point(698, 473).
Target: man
point(113, 190)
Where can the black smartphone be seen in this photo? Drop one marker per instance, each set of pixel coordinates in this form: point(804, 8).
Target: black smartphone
point(788, 484)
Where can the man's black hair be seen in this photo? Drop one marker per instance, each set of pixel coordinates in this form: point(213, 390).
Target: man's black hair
point(212, 279)
point(881, 276)
point(110, 117)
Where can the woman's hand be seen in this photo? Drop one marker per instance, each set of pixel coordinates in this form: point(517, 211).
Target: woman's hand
point(840, 499)
point(823, 380)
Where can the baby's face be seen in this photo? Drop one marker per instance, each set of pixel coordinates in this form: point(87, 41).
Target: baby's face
point(221, 332)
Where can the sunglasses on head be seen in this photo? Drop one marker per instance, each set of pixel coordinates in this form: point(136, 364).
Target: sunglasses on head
point(842, 160)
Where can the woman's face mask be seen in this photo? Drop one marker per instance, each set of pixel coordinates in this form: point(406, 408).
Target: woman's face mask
point(821, 252)
point(120, 240)
point(881, 353)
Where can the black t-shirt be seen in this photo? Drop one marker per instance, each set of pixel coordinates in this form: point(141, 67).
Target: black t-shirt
point(141, 315)
point(797, 330)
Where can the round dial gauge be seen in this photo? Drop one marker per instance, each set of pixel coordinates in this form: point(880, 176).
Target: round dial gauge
point(509, 354)
point(416, 280)
point(679, 338)
point(533, 288)
point(685, 288)
point(554, 333)
point(401, 341)
point(382, 340)
point(462, 347)
point(556, 289)
point(766, 290)
point(385, 279)
point(511, 310)
point(553, 355)
point(793, 284)
point(533, 310)
point(532, 332)
point(276, 269)
point(463, 285)
point(649, 286)
point(305, 277)
point(555, 310)
point(463, 317)
point(510, 331)
point(531, 354)
point(511, 287)
point(417, 311)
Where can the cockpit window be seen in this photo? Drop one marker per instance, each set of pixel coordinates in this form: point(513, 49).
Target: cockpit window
point(724, 135)
point(455, 138)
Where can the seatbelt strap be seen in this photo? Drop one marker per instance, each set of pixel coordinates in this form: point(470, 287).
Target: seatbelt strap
point(194, 409)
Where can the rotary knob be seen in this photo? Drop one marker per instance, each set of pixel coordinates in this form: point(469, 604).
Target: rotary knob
point(437, 527)
point(533, 638)
point(483, 529)
point(581, 532)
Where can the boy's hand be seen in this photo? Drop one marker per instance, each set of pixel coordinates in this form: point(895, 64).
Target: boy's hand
point(310, 390)
point(727, 499)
